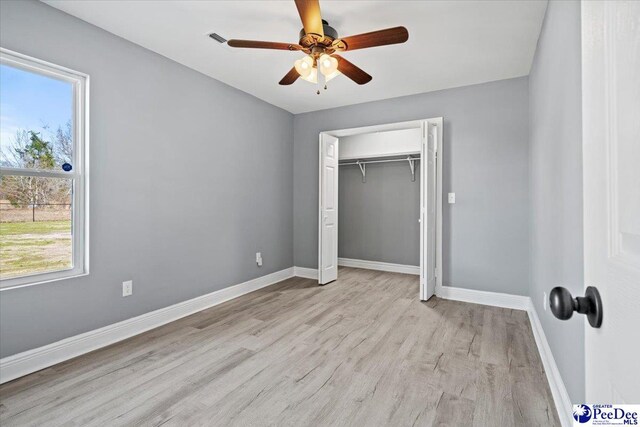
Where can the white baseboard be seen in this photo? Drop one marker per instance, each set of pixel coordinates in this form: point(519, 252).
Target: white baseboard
point(382, 266)
point(496, 299)
point(558, 390)
point(307, 273)
point(24, 363)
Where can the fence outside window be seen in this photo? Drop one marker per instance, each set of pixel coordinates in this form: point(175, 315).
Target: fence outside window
point(35, 213)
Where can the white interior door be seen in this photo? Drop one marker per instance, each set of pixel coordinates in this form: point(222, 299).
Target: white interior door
point(611, 159)
point(428, 174)
point(328, 221)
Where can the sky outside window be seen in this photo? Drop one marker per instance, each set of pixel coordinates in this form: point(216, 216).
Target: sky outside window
point(32, 102)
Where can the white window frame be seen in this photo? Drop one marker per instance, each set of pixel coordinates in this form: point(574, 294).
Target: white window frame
point(79, 173)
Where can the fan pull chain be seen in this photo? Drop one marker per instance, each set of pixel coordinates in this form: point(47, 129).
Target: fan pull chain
point(320, 78)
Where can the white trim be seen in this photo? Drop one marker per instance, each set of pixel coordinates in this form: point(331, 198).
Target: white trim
point(40, 66)
point(79, 176)
point(320, 160)
point(306, 273)
point(438, 125)
point(518, 302)
point(381, 266)
point(424, 162)
point(558, 390)
point(24, 363)
point(42, 278)
point(439, 167)
point(8, 171)
point(385, 127)
point(412, 124)
point(495, 299)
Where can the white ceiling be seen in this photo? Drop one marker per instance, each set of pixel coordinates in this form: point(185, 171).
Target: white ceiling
point(451, 43)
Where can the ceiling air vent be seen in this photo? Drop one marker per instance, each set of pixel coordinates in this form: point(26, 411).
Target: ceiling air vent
point(218, 38)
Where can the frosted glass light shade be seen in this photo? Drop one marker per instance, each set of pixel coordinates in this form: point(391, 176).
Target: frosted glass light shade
point(327, 64)
point(336, 73)
point(304, 66)
point(312, 77)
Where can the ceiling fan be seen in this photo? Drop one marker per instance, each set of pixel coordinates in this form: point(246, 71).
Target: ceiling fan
point(321, 42)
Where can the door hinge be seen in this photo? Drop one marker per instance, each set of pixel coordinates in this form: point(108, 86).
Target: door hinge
point(435, 272)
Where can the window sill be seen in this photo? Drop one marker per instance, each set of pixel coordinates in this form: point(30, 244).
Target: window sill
point(21, 282)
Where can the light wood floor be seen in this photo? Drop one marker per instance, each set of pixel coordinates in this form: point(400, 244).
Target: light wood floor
point(361, 351)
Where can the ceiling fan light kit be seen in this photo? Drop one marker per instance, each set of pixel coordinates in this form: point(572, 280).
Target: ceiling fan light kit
point(304, 66)
point(320, 42)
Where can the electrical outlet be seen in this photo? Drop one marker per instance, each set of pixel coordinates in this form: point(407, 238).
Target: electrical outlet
point(544, 301)
point(259, 259)
point(127, 288)
point(452, 198)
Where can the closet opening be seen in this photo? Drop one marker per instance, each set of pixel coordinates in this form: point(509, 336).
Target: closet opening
point(380, 201)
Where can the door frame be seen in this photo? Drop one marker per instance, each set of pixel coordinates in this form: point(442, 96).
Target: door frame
point(413, 124)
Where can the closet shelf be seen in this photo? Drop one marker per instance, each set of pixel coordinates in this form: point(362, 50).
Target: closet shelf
point(363, 165)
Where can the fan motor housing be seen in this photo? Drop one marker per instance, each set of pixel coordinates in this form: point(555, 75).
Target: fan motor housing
point(330, 34)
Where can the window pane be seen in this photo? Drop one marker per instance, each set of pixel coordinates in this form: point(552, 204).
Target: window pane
point(36, 121)
point(35, 225)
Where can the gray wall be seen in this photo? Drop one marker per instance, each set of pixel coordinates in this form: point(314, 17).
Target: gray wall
point(165, 147)
point(486, 233)
point(163, 143)
point(378, 219)
point(556, 183)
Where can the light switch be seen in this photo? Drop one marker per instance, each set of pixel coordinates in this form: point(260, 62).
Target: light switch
point(452, 198)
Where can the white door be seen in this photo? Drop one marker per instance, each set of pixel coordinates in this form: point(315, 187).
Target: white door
point(611, 160)
point(428, 211)
point(328, 221)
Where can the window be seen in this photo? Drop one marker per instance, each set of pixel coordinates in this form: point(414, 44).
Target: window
point(43, 171)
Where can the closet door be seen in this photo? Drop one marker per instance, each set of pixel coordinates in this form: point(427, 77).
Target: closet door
point(328, 221)
point(428, 211)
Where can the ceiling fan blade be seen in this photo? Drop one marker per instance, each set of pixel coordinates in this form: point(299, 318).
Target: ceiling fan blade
point(354, 73)
point(375, 38)
point(309, 11)
point(290, 77)
point(257, 44)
